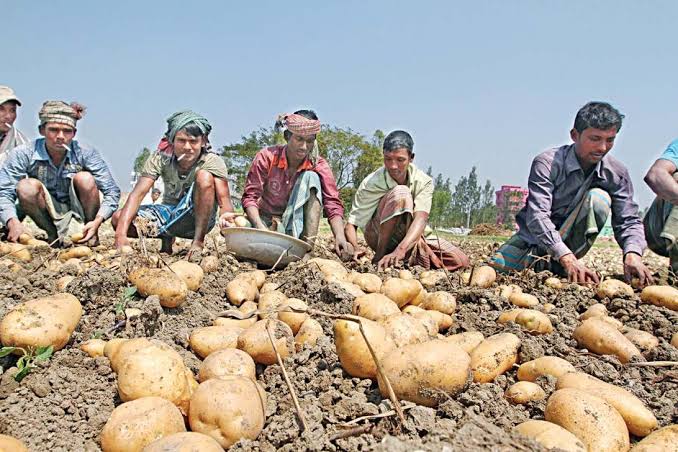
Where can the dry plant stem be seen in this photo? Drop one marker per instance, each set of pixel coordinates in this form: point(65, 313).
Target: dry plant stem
point(351, 432)
point(388, 413)
point(280, 257)
point(300, 413)
point(654, 364)
point(52, 254)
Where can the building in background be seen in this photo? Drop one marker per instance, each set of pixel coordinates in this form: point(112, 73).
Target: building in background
point(510, 199)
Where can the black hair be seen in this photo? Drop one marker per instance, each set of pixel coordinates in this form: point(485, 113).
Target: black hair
point(399, 139)
point(194, 130)
point(598, 115)
point(308, 114)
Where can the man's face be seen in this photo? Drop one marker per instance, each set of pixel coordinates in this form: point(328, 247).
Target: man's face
point(591, 145)
point(396, 163)
point(298, 147)
point(57, 135)
point(187, 148)
point(7, 115)
point(155, 195)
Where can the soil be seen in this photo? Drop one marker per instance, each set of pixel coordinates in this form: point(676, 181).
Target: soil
point(64, 403)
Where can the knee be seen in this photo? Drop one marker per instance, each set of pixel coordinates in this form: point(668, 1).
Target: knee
point(28, 189)
point(204, 180)
point(600, 198)
point(114, 219)
point(401, 192)
point(84, 181)
point(310, 176)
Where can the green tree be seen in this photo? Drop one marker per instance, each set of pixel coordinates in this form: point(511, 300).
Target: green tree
point(238, 156)
point(467, 194)
point(140, 159)
point(441, 202)
point(488, 209)
point(370, 159)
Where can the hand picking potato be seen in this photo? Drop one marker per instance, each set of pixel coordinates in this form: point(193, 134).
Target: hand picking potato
point(184, 442)
point(613, 288)
point(240, 290)
point(402, 291)
point(641, 339)
point(293, 319)
point(553, 283)
point(602, 338)
point(77, 252)
point(171, 289)
point(133, 425)
point(93, 347)
point(665, 440)
point(523, 300)
point(368, 282)
point(309, 333)
point(523, 392)
point(192, 274)
point(15, 251)
point(210, 264)
point(41, 322)
point(430, 278)
point(228, 409)
point(591, 419)
point(374, 306)
point(483, 277)
point(25, 238)
point(494, 356)
point(596, 310)
point(269, 304)
point(639, 420)
point(440, 301)
point(354, 356)
point(330, 269)
point(77, 236)
point(405, 329)
point(466, 341)
point(209, 339)
point(545, 365)
point(225, 362)
point(665, 296)
point(255, 341)
point(10, 444)
point(550, 435)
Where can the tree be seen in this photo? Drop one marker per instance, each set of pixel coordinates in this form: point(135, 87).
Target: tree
point(370, 159)
point(342, 148)
point(441, 202)
point(466, 197)
point(140, 159)
point(239, 156)
point(488, 210)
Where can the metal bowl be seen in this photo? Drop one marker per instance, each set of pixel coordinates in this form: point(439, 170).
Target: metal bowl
point(265, 247)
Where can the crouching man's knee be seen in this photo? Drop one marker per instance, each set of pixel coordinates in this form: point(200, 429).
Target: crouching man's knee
point(29, 191)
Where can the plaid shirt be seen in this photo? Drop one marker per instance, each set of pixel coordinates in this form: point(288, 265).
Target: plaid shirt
point(32, 160)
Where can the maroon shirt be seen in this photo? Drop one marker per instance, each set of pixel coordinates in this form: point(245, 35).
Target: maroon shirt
point(268, 187)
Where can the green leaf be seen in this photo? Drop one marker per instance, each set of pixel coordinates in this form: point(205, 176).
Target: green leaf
point(4, 351)
point(21, 363)
point(43, 353)
point(22, 373)
point(129, 292)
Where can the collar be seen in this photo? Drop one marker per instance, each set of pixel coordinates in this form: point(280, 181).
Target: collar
point(391, 182)
point(572, 163)
point(40, 151)
point(280, 160)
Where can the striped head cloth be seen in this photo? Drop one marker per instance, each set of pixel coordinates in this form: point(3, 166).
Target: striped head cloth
point(299, 125)
point(61, 112)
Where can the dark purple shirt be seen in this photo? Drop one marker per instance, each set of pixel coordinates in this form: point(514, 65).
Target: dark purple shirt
point(556, 179)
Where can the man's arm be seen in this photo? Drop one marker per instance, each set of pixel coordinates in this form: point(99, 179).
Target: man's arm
point(130, 209)
point(419, 221)
point(660, 179)
point(254, 187)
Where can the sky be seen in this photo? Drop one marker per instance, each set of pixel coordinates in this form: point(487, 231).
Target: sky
point(478, 83)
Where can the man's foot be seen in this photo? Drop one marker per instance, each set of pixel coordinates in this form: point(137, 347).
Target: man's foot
point(195, 250)
point(166, 245)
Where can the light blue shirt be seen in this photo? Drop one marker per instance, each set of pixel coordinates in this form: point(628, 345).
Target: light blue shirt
point(32, 160)
point(671, 153)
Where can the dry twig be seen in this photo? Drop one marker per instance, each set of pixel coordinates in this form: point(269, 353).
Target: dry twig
point(388, 413)
point(355, 431)
point(654, 364)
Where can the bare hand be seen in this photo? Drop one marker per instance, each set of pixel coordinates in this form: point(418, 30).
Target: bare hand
point(358, 252)
point(89, 231)
point(633, 266)
point(15, 229)
point(343, 249)
point(227, 220)
point(391, 259)
point(578, 272)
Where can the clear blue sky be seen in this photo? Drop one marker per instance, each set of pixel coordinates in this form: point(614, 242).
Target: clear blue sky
point(485, 83)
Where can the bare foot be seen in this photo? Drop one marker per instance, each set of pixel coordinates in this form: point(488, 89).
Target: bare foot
point(166, 245)
point(194, 250)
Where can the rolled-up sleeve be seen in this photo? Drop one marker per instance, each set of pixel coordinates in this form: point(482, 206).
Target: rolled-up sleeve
point(626, 223)
point(256, 176)
point(538, 211)
point(13, 170)
point(331, 200)
point(97, 166)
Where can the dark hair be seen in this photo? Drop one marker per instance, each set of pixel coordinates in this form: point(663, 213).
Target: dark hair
point(308, 114)
point(156, 190)
point(194, 130)
point(598, 115)
point(398, 139)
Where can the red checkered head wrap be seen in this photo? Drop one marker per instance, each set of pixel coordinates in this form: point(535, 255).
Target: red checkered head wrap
point(299, 125)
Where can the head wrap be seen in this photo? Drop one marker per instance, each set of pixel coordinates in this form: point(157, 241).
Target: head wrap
point(182, 119)
point(299, 125)
point(61, 112)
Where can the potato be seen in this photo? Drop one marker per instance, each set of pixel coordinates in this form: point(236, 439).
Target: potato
point(209, 339)
point(494, 356)
point(255, 341)
point(374, 306)
point(613, 288)
point(602, 338)
point(10, 444)
point(93, 347)
point(61, 283)
point(171, 289)
point(293, 319)
point(135, 424)
point(665, 439)
point(430, 278)
point(545, 365)
point(228, 409)
point(596, 310)
point(35, 243)
point(352, 289)
point(553, 283)
point(192, 274)
point(402, 291)
point(419, 299)
point(642, 339)
point(405, 329)
point(426, 319)
point(548, 307)
point(466, 341)
point(368, 282)
point(14, 267)
point(227, 361)
point(256, 276)
point(184, 442)
point(524, 300)
point(507, 291)
point(41, 322)
point(509, 316)
point(440, 301)
point(15, 251)
point(417, 373)
point(268, 287)
point(523, 392)
point(665, 296)
point(269, 303)
point(534, 322)
point(77, 252)
point(550, 435)
point(612, 321)
point(112, 347)
point(443, 321)
point(591, 419)
point(483, 277)
point(210, 264)
point(354, 356)
point(246, 308)
point(329, 269)
point(240, 290)
point(674, 340)
point(117, 350)
point(639, 420)
point(77, 236)
point(309, 333)
point(25, 238)
point(405, 274)
point(411, 309)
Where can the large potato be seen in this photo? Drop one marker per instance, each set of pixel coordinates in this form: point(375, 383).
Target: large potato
point(255, 341)
point(293, 319)
point(405, 274)
point(225, 362)
point(15, 251)
point(352, 351)
point(135, 424)
point(596, 310)
point(550, 435)
point(184, 442)
point(443, 321)
point(228, 409)
point(663, 440)
point(602, 338)
point(419, 299)
point(258, 277)
point(591, 419)
point(77, 252)
point(545, 365)
point(613, 288)
point(426, 319)
point(418, 374)
point(331, 270)
point(209, 339)
point(523, 392)
point(641, 339)
point(41, 322)
point(210, 264)
point(440, 301)
point(240, 290)
point(10, 444)
point(402, 291)
point(430, 278)
point(523, 300)
point(192, 274)
point(466, 341)
point(532, 321)
point(374, 306)
point(494, 356)
point(171, 289)
point(405, 329)
point(368, 282)
point(309, 333)
point(483, 277)
point(507, 291)
point(269, 303)
point(665, 296)
point(117, 350)
point(639, 420)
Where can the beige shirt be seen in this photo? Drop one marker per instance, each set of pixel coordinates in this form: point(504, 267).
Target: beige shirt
point(176, 185)
point(377, 184)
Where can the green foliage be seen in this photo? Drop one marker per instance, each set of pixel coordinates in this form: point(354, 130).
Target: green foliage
point(467, 205)
point(141, 159)
point(238, 156)
point(28, 357)
point(126, 296)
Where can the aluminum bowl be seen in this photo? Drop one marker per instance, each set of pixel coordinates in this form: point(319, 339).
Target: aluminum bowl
point(265, 247)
